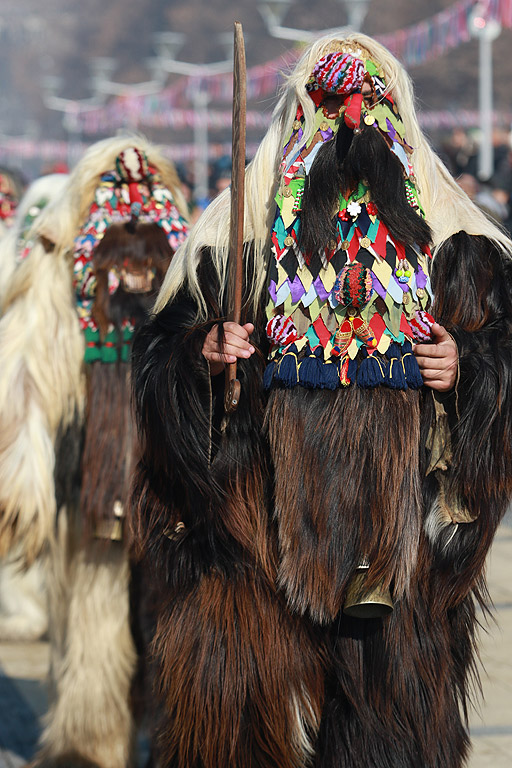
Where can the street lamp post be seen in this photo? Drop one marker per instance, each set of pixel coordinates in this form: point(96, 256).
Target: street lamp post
point(168, 44)
point(356, 12)
point(201, 156)
point(485, 30)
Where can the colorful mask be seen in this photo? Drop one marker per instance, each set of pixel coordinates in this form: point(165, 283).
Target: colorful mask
point(133, 192)
point(349, 314)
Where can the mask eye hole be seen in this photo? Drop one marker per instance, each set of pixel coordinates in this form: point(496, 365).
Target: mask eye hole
point(332, 104)
point(368, 94)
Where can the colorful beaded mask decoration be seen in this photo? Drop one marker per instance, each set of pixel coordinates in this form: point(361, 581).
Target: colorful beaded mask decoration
point(132, 192)
point(347, 314)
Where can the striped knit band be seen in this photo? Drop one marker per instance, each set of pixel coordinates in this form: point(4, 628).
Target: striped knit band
point(339, 73)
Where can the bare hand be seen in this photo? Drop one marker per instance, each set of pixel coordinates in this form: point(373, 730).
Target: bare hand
point(236, 344)
point(438, 361)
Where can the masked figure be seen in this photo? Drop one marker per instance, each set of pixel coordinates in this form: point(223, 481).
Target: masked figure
point(88, 271)
point(23, 609)
point(322, 548)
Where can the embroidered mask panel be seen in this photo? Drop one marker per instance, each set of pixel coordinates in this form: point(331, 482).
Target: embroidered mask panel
point(348, 285)
point(123, 250)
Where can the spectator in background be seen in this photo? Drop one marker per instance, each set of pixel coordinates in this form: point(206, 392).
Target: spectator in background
point(501, 147)
point(461, 150)
point(220, 176)
point(187, 188)
point(502, 185)
point(490, 200)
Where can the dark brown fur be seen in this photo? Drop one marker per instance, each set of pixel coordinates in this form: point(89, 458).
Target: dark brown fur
point(473, 288)
point(295, 501)
point(237, 669)
point(211, 476)
point(398, 691)
point(110, 441)
point(346, 486)
point(110, 437)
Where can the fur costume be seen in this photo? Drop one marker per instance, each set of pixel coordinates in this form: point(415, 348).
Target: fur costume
point(23, 609)
point(95, 258)
point(255, 523)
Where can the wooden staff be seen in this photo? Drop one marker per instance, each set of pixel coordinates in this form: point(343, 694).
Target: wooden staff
point(236, 229)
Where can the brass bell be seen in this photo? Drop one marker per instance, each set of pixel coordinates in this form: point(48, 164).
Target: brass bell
point(111, 527)
point(364, 603)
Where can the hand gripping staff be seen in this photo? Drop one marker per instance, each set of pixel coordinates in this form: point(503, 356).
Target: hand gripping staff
point(236, 229)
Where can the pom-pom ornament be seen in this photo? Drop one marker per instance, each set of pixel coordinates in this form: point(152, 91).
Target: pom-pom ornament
point(403, 271)
point(281, 330)
point(353, 286)
point(132, 165)
point(339, 73)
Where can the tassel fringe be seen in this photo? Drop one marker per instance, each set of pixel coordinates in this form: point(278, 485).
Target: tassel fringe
point(397, 370)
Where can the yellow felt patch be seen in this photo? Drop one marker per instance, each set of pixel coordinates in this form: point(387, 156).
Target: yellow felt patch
point(353, 349)
point(383, 344)
point(305, 277)
point(287, 214)
point(382, 271)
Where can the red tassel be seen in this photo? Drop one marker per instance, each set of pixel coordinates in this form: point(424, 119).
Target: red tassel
point(135, 195)
point(353, 110)
point(344, 379)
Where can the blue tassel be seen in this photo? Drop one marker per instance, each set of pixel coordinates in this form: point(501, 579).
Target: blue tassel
point(395, 378)
point(352, 370)
point(331, 374)
point(269, 374)
point(311, 370)
point(411, 367)
point(287, 369)
point(371, 372)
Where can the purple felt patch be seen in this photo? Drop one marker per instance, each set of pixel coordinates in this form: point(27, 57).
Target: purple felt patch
point(378, 287)
point(391, 129)
point(297, 289)
point(328, 134)
point(320, 290)
point(421, 278)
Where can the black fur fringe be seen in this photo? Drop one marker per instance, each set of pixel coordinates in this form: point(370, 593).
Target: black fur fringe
point(398, 690)
point(339, 165)
point(472, 284)
point(212, 481)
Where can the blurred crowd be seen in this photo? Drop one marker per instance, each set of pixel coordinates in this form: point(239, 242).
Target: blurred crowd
point(458, 150)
